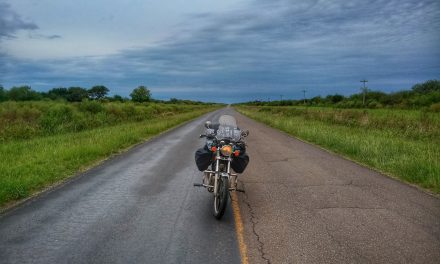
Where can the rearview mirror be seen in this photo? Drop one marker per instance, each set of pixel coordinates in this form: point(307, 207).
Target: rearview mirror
point(208, 124)
point(245, 133)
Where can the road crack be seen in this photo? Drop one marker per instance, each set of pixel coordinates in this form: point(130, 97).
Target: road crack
point(254, 221)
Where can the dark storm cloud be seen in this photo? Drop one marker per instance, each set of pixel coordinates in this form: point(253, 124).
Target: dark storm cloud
point(11, 22)
point(325, 46)
point(281, 47)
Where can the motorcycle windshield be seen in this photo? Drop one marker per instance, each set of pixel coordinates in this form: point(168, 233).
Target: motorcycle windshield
point(228, 128)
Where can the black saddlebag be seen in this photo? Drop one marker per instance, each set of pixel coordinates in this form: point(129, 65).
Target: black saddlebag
point(203, 158)
point(240, 163)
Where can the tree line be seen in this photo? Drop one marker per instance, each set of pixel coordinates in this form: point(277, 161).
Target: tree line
point(421, 95)
point(77, 94)
point(71, 94)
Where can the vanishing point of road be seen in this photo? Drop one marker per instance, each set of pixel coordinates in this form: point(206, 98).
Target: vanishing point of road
point(302, 205)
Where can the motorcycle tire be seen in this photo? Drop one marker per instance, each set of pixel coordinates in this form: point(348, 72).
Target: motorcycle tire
point(221, 200)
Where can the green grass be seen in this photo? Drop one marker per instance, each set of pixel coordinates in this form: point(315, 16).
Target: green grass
point(402, 143)
point(30, 165)
point(26, 120)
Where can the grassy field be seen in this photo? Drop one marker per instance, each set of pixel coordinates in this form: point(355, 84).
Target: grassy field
point(26, 120)
point(43, 148)
point(402, 143)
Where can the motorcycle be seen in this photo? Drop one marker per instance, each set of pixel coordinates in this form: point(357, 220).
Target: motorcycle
point(225, 152)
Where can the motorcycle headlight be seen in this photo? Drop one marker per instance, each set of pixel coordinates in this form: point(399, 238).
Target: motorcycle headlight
point(226, 150)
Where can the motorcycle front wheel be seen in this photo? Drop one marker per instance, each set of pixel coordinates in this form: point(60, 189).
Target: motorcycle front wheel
point(221, 199)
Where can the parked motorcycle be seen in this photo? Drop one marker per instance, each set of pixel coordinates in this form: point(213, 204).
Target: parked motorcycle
point(225, 152)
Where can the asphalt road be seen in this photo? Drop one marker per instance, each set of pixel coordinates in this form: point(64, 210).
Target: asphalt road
point(139, 207)
point(302, 205)
point(306, 205)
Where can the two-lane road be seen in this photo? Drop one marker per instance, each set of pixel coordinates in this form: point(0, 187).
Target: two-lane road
point(302, 205)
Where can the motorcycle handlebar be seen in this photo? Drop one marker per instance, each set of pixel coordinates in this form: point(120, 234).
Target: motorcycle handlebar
point(207, 136)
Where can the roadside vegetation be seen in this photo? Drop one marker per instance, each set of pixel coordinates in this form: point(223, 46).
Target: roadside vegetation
point(421, 96)
point(45, 141)
point(27, 120)
point(404, 143)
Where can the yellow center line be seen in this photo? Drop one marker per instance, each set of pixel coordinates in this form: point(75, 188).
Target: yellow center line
point(239, 229)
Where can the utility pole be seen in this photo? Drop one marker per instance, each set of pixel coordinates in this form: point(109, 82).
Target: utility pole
point(281, 96)
point(304, 92)
point(364, 90)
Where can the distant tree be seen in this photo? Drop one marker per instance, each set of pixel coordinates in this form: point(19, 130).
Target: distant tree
point(117, 97)
point(334, 98)
point(141, 94)
point(23, 93)
point(98, 92)
point(174, 100)
point(77, 94)
point(377, 95)
point(427, 87)
point(58, 93)
point(2, 94)
point(398, 98)
point(316, 100)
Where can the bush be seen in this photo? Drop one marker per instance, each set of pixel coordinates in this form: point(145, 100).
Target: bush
point(374, 104)
point(23, 93)
point(77, 94)
point(58, 93)
point(435, 107)
point(2, 94)
point(91, 106)
point(57, 118)
point(427, 87)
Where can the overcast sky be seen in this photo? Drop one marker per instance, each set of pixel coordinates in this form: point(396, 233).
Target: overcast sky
point(229, 50)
